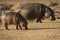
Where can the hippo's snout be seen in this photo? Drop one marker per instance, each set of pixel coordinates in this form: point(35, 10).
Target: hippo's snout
point(53, 19)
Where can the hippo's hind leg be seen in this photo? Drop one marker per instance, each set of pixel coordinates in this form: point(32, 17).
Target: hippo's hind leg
point(6, 26)
point(39, 20)
point(17, 26)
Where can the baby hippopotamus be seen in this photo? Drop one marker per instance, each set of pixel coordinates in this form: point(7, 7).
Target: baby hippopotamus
point(14, 18)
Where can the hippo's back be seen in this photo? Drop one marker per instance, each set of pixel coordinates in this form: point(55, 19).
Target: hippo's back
point(30, 10)
point(9, 18)
point(29, 5)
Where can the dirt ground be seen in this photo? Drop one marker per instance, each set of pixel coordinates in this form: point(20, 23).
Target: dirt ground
point(48, 30)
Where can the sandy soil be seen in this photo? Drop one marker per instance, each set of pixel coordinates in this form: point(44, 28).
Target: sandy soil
point(48, 30)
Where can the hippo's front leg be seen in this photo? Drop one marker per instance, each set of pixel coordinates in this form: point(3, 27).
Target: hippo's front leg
point(23, 26)
point(20, 26)
point(39, 20)
point(26, 28)
point(6, 26)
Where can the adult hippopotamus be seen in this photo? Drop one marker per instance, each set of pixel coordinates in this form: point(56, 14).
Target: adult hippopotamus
point(32, 11)
point(14, 18)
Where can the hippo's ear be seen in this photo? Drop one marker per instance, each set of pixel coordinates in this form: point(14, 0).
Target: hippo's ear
point(54, 4)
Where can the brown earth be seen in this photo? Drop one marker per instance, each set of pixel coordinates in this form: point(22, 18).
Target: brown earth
point(37, 31)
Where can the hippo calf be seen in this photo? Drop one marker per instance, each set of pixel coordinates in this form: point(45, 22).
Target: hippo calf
point(14, 18)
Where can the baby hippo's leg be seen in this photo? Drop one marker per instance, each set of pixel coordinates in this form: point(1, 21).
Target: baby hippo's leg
point(6, 26)
point(23, 26)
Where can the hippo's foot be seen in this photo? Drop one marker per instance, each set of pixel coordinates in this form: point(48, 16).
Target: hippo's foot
point(52, 20)
point(42, 18)
point(17, 27)
point(39, 21)
point(7, 29)
point(20, 27)
point(26, 28)
point(6, 26)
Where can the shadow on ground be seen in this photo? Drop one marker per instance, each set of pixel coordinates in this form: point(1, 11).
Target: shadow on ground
point(43, 28)
point(36, 28)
